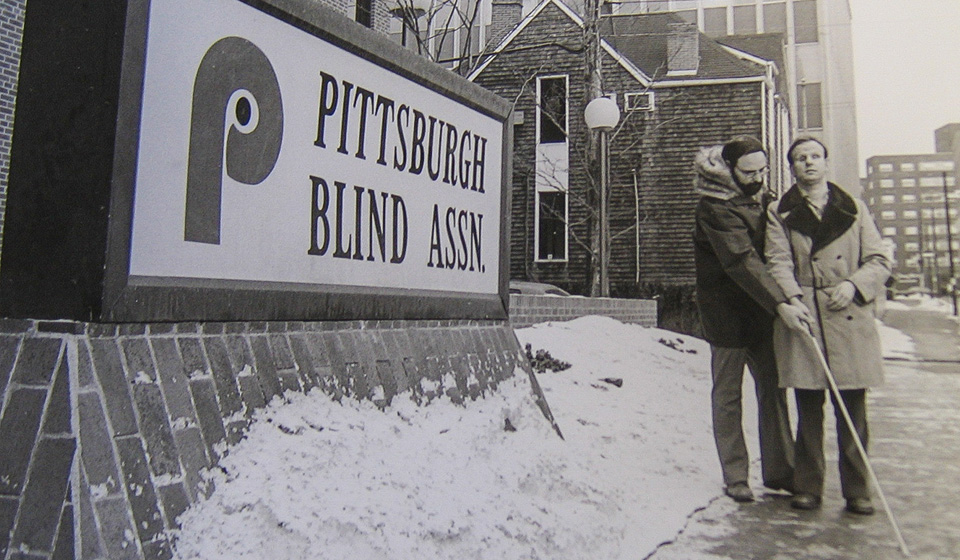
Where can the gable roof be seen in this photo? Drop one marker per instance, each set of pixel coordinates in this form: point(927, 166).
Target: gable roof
point(643, 39)
point(766, 46)
point(638, 42)
point(631, 68)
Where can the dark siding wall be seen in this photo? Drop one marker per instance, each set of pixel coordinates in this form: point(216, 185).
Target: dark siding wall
point(686, 119)
point(513, 77)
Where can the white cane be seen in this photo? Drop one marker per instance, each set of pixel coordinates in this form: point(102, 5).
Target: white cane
point(856, 438)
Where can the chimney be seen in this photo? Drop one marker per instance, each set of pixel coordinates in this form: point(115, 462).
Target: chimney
point(505, 15)
point(683, 49)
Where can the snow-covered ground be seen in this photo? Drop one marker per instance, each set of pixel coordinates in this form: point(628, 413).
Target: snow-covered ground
point(316, 479)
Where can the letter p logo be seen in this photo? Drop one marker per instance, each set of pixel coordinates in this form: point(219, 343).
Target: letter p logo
point(236, 122)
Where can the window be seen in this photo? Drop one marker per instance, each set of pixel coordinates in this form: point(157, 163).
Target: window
point(910, 215)
point(551, 225)
point(931, 181)
point(911, 230)
point(886, 183)
point(809, 106)
point(885, 167)
point(888, 215)
point(364, 12)
point(888, 199)
point(552, 110)
point(715, 21)
point(775, 18)
point(889, 231)
point(689, 16)
point(936, 166)
point(911, 247)
point(908, 182)
point(908, 167)
point(641, 101)
point(805, 21)
point(744, 20)
point(931, 197)
point(909, 198)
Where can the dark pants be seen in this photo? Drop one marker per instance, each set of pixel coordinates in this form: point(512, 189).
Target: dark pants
point(810, 466)
point(776, 444)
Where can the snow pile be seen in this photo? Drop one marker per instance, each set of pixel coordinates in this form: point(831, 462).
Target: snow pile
point(318, 479)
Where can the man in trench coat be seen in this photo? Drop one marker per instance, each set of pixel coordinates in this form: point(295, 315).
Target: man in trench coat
point(737, 300)
point(823, 249)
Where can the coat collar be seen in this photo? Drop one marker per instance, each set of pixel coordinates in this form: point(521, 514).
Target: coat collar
point(839, 215)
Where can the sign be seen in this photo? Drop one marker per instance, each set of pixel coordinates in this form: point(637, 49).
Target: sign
point(247, 160)
point(269, 155)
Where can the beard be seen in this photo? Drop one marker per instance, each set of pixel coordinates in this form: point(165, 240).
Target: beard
point(750, 188)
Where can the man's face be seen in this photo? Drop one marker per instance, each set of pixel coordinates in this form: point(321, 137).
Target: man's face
point(809, 163)
point(750, 172)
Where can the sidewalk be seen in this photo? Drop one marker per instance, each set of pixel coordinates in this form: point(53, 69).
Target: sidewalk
point(915, 451)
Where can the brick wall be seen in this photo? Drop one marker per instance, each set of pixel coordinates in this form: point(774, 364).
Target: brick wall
point(11, 29)
point(106, 428)
point(526, 310)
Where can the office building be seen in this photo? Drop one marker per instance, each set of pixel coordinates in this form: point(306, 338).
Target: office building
point(915, 202)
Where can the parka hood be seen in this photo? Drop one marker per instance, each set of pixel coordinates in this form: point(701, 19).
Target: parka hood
point(713, 177)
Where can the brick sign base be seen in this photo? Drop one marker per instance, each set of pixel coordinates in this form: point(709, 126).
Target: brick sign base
point(105, 429)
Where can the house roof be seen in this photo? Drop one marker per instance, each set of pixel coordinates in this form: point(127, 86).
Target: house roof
point(639, 43)
point(575, 17)
point(642, 38)
point(768, 46)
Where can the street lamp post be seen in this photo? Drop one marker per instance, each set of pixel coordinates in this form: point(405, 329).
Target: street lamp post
point(602, 115)
point(953, 275)
point(408, 12)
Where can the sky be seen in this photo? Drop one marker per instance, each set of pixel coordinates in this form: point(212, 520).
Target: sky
point(907, 73)
point(316, 479)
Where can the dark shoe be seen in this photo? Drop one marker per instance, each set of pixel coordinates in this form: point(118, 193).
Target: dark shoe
point(805, 501)
point(740, 492)
point(785, 485)
point(860, 506)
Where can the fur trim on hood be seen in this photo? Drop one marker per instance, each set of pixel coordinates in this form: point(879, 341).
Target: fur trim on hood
point(713, 177)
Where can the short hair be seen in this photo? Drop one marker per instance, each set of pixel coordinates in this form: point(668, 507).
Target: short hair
point(803, 140)
point(738, 147)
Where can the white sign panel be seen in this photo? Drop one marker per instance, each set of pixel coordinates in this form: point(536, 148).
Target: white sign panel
point(269, 155)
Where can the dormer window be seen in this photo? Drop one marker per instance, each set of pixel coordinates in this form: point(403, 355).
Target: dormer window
point(640, 101)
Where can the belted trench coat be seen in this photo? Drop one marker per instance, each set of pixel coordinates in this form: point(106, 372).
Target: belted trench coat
point(808, 256)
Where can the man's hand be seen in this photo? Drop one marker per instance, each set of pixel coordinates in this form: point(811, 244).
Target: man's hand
point(795, 315)
point(841, 296)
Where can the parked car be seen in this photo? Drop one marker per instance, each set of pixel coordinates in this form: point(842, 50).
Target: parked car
point(536, 288)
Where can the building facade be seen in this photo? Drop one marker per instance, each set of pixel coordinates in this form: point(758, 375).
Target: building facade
point(818, 68)
point(679, 91)
point(915, 202)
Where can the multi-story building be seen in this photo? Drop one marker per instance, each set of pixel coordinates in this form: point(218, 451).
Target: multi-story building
point(915, 202)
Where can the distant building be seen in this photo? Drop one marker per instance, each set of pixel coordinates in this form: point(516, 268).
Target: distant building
point(678, 89)
point(915, 201)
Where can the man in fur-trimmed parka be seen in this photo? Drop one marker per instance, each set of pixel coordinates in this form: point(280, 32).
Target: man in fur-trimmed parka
point(737, 300)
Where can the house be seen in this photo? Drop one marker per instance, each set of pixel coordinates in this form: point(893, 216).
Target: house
point(678, 91)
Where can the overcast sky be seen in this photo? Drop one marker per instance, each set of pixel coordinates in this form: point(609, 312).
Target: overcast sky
point(907, 67)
